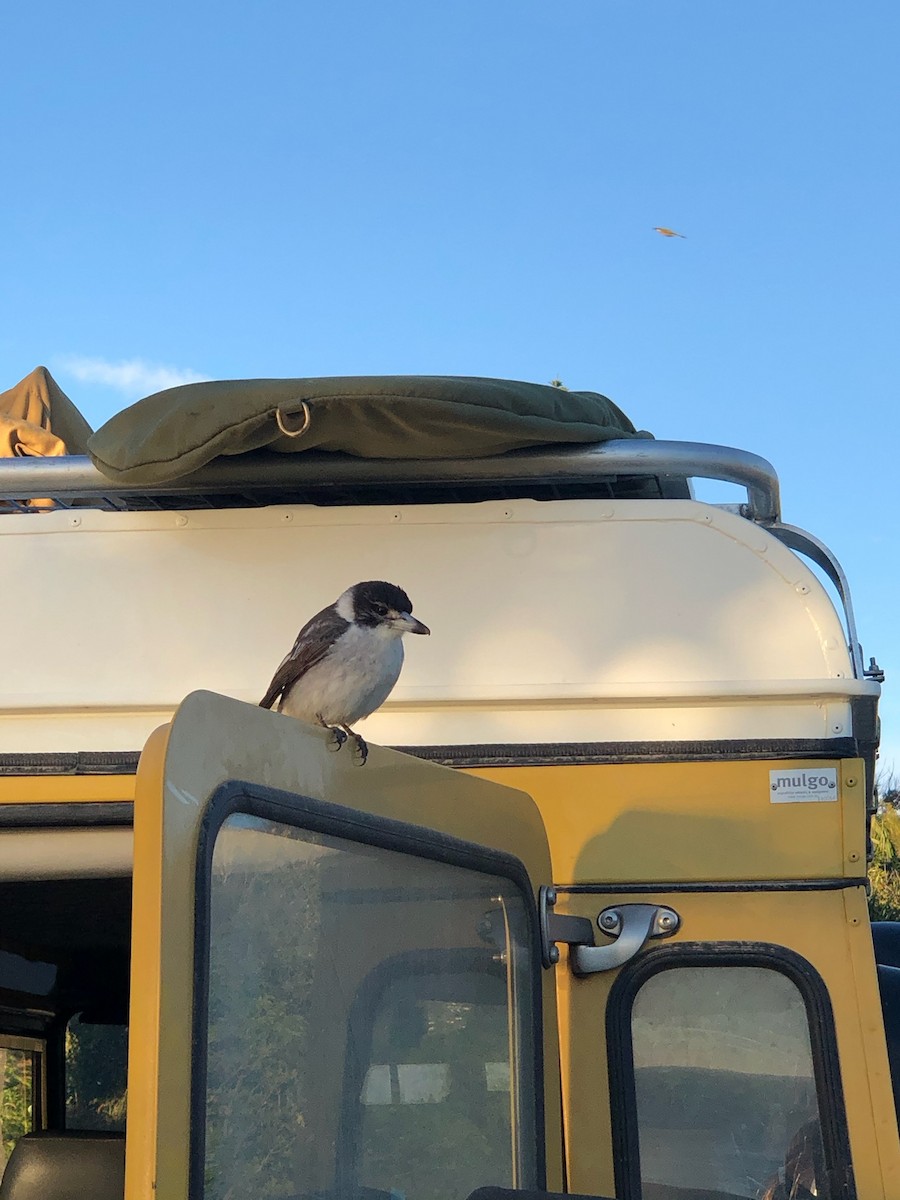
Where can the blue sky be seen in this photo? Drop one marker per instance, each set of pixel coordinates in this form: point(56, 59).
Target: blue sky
point(222, 190)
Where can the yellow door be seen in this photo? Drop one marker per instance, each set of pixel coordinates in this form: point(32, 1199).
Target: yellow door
point(336, 984)
point(722, 1034)
point(713, 1045)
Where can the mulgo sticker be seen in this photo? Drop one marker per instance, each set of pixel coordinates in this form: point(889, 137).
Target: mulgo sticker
point(808, 785)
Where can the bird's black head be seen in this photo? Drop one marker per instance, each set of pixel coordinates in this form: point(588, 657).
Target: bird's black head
point(378, 603)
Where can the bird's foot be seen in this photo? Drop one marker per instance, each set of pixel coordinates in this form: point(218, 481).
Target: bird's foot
point(360, 749)
point(336, 739)
point(336, 736)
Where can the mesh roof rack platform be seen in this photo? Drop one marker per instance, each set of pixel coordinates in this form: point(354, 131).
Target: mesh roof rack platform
point(615, 469)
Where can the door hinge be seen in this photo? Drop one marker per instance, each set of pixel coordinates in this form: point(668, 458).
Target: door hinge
point(631, 925)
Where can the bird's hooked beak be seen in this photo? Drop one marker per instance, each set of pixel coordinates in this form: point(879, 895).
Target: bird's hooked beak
point(407, 623)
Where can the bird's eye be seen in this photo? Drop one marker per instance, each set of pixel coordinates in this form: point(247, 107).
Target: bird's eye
point(380, 609)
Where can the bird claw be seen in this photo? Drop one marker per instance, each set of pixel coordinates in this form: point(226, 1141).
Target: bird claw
point(336, 738)
point(360, 749)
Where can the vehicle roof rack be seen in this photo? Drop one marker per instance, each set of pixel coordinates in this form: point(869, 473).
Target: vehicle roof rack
point(614, 469)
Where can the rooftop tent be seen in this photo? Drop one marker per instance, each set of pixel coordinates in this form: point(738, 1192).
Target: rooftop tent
point(175, 432)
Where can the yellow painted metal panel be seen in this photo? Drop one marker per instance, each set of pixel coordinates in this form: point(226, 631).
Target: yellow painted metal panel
point(146, 937)
point(683, 822)
point(815, 925)
point(668, 822)
point(860, 983)
point(212, 740)
point(65, 789)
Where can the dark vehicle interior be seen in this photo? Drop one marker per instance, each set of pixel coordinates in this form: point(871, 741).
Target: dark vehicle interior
point(64, 969)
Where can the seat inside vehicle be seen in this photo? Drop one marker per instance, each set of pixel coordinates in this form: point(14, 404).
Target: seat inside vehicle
point(57, 1165)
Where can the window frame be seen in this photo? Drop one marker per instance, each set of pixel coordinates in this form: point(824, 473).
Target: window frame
point(355, 825)
point(822, 1037)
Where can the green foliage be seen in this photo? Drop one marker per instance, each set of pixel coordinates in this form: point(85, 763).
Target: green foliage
point(312, 998)
point(15, 1103)
point(460, 1039)
point(264, 938)
point(884, 873)
point(96, 1069)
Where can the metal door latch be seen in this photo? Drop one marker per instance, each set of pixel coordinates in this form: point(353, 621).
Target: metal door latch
point(630, 924)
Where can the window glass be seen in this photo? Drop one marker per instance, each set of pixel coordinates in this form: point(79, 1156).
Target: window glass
point(438, 1077)
point(369, 1022)
point(17, 1103)
point(96, 1072)
point(726, 1097)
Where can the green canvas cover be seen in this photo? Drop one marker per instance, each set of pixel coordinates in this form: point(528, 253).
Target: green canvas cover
point(173, 433)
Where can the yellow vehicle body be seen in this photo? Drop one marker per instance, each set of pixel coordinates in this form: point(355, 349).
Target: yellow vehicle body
point(612, 940)
point(618, 843)
point(666, 823)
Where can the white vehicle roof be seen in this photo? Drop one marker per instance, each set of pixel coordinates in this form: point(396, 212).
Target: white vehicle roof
point(572, 622)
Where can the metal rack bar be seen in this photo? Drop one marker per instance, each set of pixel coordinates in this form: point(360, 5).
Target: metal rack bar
point(807, 544)
point(75, 476)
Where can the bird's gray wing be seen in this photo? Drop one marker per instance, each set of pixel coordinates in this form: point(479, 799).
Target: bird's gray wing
point(313, 643)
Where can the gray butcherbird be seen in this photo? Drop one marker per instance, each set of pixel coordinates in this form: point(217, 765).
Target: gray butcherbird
point(346, 660)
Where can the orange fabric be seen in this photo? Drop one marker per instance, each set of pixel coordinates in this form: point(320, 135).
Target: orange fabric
point(38, 419)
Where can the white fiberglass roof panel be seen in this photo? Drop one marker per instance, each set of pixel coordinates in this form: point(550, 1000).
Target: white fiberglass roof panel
point(524, 599)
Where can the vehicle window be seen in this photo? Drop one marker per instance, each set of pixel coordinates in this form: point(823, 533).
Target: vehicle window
point(20, 1072)
point(96, 1072)
point(369, 1021)
point(437, 1076)
point(725, 1088)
